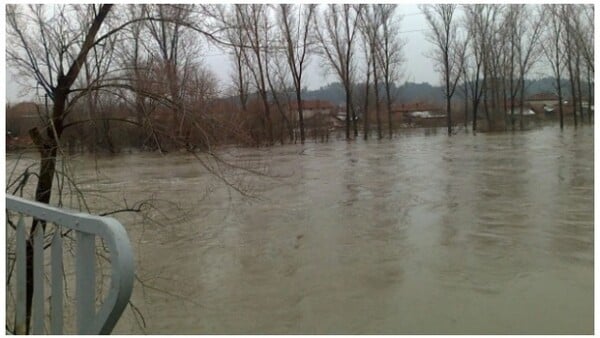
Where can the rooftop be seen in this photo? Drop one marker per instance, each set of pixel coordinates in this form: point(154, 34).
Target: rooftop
point(312, 104)
point(543, 97)
point(414, 107)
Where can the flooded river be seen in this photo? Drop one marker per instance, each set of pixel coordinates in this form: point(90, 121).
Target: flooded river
point(491, 233)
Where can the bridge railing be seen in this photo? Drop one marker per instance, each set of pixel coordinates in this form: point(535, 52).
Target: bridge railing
point(93, 316)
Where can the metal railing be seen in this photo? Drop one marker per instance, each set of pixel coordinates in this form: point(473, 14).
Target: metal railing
point(85, 228)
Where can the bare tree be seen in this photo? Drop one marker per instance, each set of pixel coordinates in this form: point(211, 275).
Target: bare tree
point(495, 64)
point(389, 53)
point(511, 28)
point(336, 31)
point(480, 25)
point(579, 95)
point(175, 48)
point(553, 51)
point(566, 13)
point(277, 75)
point(449, 48)
point(53, 59)
point(370, 24)
point(296, 35)
point(67, 51)
point(464, 89)
point(228, 20)
point(366, 123)
point(253, 23)
point(583, 26)
point(579, 27)
point(134, 57)
point(494, 59)
point(529, 27)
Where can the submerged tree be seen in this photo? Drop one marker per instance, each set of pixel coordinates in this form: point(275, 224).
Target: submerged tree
point(254, 24)
point(554, 53)
point(449, 48)
point(296, 34)
point(370, 27)
point(578, 49)
point(488, 41)
point(67, 51)
point(336, 31)
point(53, 54)
point(527, 27)
point(389, 54)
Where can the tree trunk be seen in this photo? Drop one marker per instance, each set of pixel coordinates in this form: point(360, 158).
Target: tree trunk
point(512, 106)
point(48, 145)
point(300, 115)
point(366, 108)
point(560, 102)
point(578, 82)
point(590, 100)
point(572, 83)
point(449, 119)
point(347, 112)
point(354, 122)
point(466, 104)
point(558, 86)
point(267, 112)
point(521, 103)
point(477, 93)
point(504, 105)
point(522, 95)
point(475, 104)
point(448, 96)
point(377, 104)
point(388, 102)
point(486, 108)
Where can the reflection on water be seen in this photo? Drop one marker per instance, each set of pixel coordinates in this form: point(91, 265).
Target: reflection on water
point(422, 234)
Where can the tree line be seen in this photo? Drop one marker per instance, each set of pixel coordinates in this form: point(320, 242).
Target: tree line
point(490, 49)
point(145, 62)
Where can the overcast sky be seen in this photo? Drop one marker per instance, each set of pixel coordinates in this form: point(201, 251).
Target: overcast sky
point(417, 67)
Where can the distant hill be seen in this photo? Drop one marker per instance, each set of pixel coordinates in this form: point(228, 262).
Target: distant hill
point(412, 92)
point(334, 93)
point(407, 92)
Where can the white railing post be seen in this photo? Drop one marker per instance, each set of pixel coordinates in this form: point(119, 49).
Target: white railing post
point(85, 267)
point(86, 228)
point(56, 300)
point(38, 281)
point(21, 270)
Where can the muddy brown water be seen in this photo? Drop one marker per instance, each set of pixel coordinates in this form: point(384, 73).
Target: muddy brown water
point(491, 233)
